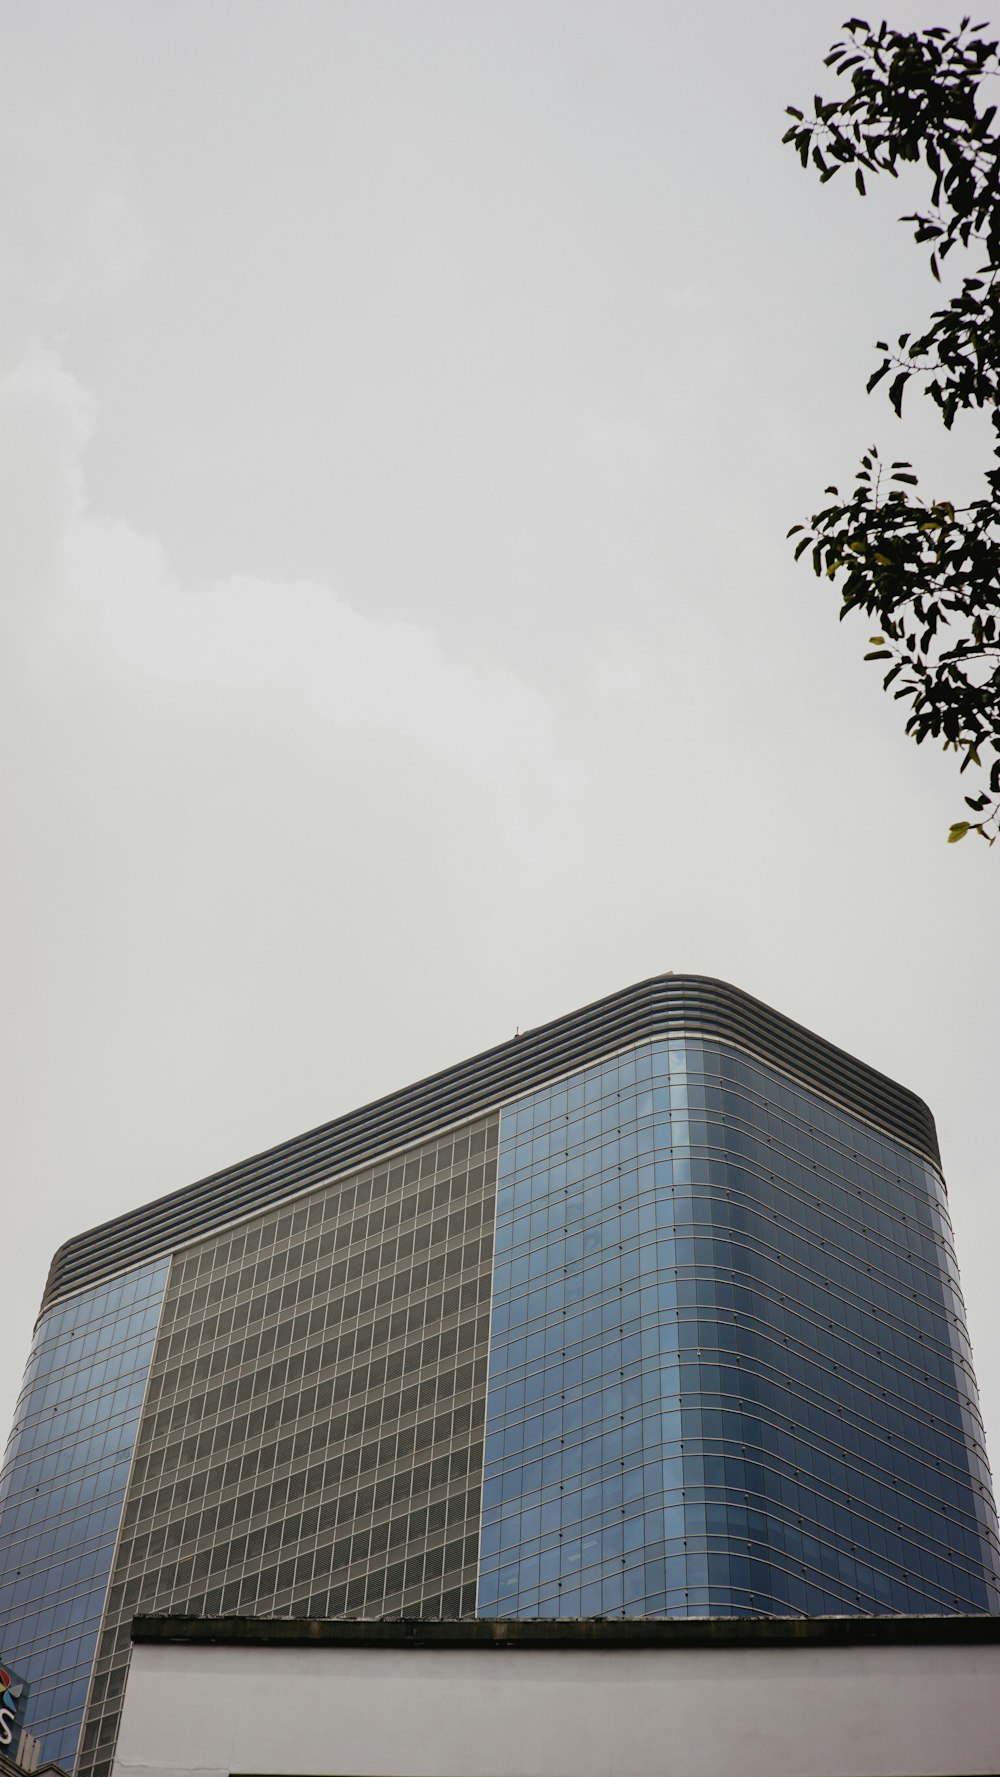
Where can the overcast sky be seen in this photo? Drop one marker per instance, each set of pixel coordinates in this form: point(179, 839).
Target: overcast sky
point(402, 408)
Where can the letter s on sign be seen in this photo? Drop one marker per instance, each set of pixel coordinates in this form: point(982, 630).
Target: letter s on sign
point(6, 1726)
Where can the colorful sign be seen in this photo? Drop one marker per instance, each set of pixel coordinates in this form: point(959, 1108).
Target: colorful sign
point(13, 1697)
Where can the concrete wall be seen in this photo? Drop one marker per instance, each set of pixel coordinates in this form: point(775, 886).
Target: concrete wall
point(501, 1712)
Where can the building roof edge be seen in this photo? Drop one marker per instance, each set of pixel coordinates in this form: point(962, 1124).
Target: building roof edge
point(540, 1633)
point(662, 1005)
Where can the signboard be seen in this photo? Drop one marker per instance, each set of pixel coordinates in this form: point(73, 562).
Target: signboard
point(13, 1697)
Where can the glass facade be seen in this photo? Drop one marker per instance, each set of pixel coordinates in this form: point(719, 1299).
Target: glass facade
point(61, 1492)
point(729, 1371)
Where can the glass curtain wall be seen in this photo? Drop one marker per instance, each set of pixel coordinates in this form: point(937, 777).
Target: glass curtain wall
point(61, 1492)
point(729, 1369)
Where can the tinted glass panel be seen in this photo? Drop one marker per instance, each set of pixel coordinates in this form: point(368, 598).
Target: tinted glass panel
point(729, 1368)
point(61, 1492)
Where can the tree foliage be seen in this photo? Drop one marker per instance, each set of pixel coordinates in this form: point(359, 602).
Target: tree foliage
point(925, 571)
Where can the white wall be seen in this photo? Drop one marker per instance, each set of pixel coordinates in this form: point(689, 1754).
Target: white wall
point(484, 1712)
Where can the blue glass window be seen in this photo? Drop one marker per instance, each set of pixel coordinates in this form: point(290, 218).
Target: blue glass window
point(61, 1492)
point(729, 1369)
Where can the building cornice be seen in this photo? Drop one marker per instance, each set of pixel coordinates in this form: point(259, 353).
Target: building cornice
point(664, 1006)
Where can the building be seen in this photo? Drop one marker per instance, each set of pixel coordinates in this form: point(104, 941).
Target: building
point(785, 1697)
point(652, 1311)
point(24, 1762)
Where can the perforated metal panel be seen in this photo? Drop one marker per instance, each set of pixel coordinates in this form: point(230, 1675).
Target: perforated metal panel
point(312, 1438)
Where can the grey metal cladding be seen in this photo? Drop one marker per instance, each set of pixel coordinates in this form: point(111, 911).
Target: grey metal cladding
point(662, 1006)
point(312, 1437)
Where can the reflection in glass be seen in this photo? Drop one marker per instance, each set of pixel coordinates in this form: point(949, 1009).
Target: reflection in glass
point(729, 1371)
point(61, 1491)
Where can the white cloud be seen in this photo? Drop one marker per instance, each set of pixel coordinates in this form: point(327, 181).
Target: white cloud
point(253, 641)
point(45, 421)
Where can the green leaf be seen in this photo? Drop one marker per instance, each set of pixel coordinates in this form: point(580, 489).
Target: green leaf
point(911, 98)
